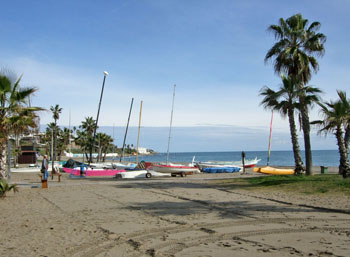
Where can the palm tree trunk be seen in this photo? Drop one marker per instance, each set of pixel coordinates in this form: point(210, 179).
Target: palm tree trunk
point(54, 143)
point(104, 155)
point(306, 130)
point(294, 137)
point(344, 167)
point(347, 138)
point(17, 149)
point(3, 169)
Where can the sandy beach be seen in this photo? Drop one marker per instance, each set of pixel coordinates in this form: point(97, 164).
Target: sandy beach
point(187, 216)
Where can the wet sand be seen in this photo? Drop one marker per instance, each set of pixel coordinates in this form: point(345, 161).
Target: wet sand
point(168, 217)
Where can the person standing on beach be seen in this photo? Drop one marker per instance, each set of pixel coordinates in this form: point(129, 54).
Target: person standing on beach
point(45, 167)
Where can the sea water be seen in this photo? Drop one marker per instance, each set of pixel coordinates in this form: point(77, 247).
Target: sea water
point(277, 158)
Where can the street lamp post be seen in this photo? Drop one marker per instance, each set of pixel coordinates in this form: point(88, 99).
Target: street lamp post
point(98, 113)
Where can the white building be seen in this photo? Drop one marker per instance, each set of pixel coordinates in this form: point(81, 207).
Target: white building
point(143, 150)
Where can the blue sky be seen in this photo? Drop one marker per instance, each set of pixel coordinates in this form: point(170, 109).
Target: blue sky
point(212, 50)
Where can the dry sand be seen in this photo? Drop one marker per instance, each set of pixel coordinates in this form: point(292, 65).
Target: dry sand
point(167, 217)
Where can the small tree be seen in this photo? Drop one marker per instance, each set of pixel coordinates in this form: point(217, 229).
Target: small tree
point(335, 118)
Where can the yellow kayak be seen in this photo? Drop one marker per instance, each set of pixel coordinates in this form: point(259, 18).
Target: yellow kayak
point(274, 171)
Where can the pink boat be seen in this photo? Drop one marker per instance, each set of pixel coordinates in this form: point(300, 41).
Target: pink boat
point(93, 172)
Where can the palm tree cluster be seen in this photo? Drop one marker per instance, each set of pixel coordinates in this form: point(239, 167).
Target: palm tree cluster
point(16, 114)
point(57, 140)
point(294, 54)
point(103, 144)
point(286, 102)
point(60, 140)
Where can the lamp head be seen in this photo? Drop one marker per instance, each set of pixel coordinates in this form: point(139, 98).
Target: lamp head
point(105, 73)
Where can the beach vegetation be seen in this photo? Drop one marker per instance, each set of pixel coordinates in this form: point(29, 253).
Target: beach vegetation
point(5, 187)
point(15, 112)
point(294, 54)
point(336, 120)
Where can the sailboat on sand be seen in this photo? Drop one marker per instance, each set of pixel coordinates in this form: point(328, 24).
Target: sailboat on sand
point(173, 169)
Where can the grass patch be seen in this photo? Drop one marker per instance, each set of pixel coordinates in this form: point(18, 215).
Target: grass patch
point(317, 184)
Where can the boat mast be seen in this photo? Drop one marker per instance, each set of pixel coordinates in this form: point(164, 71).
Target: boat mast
point(126, 130)
point(105, 73)
point(69, 141)
point(138, 135)
point(171, 122)
point(113, 146)
point(269, 149)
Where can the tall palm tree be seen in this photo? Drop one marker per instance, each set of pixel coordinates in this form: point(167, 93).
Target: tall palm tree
point(56, 110)
point(89, 127)
point(83, 140)
point(285, 102)
point(13, 101)
point(295, 54)
point(62, 142)
point(48, 139)
point(346, 103)
point(335, 115)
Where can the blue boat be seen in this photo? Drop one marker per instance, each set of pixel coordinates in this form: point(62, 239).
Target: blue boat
point(221, 169)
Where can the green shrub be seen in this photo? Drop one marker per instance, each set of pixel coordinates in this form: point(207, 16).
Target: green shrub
point(5, 187)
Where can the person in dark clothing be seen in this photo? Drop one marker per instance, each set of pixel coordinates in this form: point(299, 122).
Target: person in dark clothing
point(45, 167)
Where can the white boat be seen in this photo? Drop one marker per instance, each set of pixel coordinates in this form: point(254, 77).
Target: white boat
point(247, 163)
point(140, 174)
point(113, 165)
point(175, 169)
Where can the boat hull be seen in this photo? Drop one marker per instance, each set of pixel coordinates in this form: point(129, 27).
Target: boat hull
point(221, 169)
point(274, 171)
point(92, 172)
point(175, 169)
point(139, 174)
point(247, 164)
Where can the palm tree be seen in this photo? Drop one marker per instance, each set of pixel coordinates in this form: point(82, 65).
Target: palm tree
point(285, 102)
point(346, 102)
point(56, 110)
point(106, 144)
point(66, 137)
point(47, 139)
point(335, 115)
point(21, 124)
point(294, 55)
point(13, 102)
point(89, 127)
